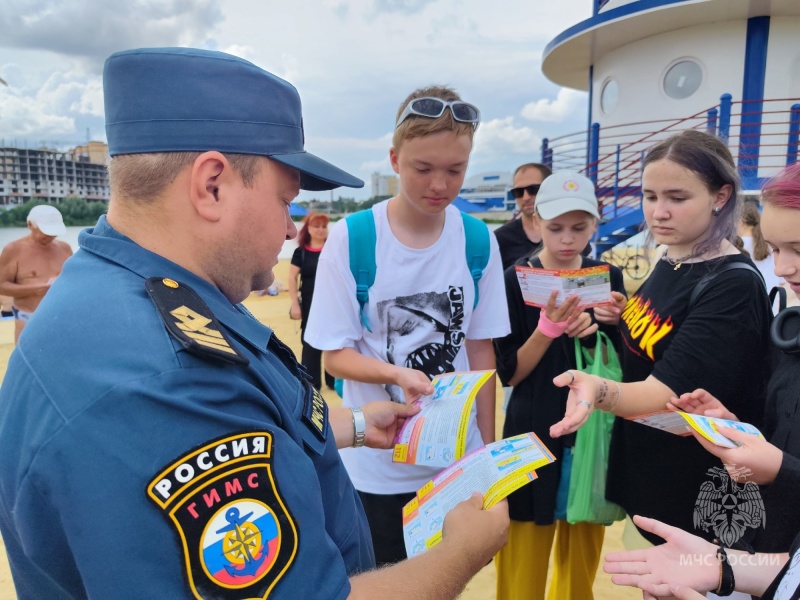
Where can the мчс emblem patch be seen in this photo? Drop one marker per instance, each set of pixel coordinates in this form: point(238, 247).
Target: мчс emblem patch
point(238, 536)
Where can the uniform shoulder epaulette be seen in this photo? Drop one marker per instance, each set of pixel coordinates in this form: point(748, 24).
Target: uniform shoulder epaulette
point(190, 321)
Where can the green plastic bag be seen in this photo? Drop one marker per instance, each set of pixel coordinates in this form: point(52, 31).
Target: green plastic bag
point(587, 485)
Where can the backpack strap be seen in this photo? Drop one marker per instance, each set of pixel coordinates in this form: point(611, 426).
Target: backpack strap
point(362, 240)
point(477, 245)
point(709, 277)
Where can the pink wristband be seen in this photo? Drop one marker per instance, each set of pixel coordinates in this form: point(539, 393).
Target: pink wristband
point(550, 329)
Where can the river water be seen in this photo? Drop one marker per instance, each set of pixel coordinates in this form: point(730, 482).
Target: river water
point(9, 234)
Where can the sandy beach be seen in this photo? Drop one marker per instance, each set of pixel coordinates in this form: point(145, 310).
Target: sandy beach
point(273, 311)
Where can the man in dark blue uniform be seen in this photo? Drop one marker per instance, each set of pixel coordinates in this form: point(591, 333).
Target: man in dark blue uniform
point(164, 444)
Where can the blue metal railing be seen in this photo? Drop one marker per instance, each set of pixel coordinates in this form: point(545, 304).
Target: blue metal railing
point(794, 134)
point(612, 156)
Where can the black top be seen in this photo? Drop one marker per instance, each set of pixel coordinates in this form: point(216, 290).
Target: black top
point(514, 243)
point(721, 346)
point(782, 429)
point(307, 259)
point(535, 403)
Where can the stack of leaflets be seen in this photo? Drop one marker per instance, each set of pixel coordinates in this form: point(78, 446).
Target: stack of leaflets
point(495, 470)
point(437, 435)
point(682, 423)
point(592, 285)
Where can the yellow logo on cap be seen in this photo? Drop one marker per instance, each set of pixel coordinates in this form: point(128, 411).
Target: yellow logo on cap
point(571, 185)
point(170, 283)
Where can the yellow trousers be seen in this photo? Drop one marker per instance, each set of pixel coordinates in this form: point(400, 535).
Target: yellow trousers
point(522, 565)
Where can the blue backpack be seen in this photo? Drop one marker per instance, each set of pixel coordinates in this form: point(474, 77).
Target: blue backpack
point(363, 239)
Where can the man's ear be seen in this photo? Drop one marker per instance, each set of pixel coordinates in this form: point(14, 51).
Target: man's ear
point(209, 170)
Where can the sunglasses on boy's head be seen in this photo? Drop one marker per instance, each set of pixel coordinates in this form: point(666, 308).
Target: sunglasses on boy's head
point(433, 108)
point(532, 190)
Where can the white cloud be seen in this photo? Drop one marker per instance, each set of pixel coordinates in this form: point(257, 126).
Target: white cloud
point(504, 136)
point(353, 61)
point(91, 100)
point(93, 29)
point(568, 103)
point(21, 118)
point(246, 52)
point(406, 7)
point(377, 166)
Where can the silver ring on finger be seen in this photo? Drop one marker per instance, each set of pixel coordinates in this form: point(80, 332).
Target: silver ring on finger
point(586, 404)
point(572, 375)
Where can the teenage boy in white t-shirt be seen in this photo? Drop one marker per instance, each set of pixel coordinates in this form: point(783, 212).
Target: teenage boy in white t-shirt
point(420, 308)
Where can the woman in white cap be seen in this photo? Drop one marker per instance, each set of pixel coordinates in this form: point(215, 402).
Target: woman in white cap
point(699, 320)
point(539, 346)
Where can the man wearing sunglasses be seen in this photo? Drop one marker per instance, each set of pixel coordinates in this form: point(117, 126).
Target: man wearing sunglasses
point(421, 318)
point(520, 237)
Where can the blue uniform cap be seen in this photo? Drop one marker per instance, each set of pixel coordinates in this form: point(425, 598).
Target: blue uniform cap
point(187, 100)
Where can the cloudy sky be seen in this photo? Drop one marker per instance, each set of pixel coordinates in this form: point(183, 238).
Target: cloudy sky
point(353, 62)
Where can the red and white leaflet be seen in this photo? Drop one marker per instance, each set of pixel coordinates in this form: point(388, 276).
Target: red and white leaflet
point(592, 285)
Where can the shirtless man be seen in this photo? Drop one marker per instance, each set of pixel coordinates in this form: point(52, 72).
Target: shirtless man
point(29, 265)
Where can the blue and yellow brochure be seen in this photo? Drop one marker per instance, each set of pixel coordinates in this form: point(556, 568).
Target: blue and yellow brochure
point(494, 470)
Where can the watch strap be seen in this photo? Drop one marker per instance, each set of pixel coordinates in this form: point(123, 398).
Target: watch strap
point(359, 427)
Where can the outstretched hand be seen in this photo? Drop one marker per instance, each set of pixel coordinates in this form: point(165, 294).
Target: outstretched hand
point(700, 402)
point(384, 419)
point(580, 402)
point(681, 592)
point(659, 570)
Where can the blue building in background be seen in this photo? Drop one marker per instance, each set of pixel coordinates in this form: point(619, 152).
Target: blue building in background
point(655, 67)
point(488, 192)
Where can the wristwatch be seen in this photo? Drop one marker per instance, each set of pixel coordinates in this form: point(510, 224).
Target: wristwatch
point(359, 427)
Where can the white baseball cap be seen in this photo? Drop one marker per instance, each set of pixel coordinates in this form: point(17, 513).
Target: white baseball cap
point(563, 192)
point(47, 219)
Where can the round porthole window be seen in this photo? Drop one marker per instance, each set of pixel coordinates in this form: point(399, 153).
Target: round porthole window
point(683, 79)
point(609, 96)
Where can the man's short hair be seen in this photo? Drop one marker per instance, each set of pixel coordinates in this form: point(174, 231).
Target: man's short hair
point(422, 126)
point(144, 177)
point(542, 168)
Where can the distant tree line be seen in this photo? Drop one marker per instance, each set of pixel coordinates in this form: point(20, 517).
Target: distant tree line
point(341, 206)
point(76, 212)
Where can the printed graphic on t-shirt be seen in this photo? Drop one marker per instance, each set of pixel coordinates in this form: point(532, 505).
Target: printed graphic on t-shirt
point(645, 327)
point(423, 331)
